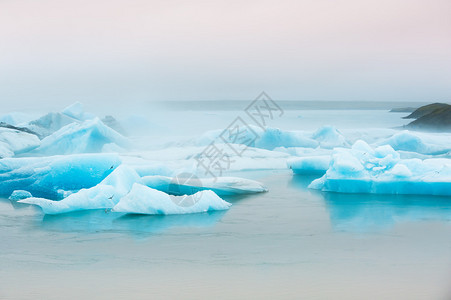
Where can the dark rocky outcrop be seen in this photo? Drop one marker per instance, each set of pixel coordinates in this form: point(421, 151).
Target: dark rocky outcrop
point(426, 109)
point(403, 109)
point(435, 119)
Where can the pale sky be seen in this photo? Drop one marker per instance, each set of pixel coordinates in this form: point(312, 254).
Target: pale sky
point(134, 50)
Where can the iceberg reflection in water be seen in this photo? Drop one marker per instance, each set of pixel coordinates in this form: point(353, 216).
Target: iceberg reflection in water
point(373, 212)
point(100, 221)
point(366, 212)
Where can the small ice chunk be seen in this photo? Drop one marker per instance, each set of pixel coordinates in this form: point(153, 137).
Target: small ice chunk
point(401, 170)
point(329, 137)
point(310, 164)
point(19, 195)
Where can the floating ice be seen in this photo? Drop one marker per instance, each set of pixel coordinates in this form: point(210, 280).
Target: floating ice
point(145, 200)
point(363, 169)
point(273, 137)
point(19, 195)
point(254, 136)
point(310, 164)
point(104, 195)
point(187, 185)
point(418, 142)
point(329, 137)
point(48, 176)
point(326, 137)
point(87, 137)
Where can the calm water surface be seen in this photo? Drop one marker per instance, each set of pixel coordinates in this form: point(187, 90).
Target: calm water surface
point(289, 243)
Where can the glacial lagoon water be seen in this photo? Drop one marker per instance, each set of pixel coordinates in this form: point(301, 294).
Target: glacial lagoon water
point(288, 243)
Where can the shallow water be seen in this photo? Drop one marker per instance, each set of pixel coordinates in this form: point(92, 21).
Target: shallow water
point(288, 243)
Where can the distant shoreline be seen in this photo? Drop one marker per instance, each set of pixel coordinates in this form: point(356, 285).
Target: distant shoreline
point(285, 104)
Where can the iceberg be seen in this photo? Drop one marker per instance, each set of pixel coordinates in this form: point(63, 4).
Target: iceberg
point(272, 138)
point(418, 142)
point(104, 195)
point(122, 190)
point(145, 200)
point(363, 169)
point(268, 139)
point(50, 123)
point(186, 184)
point(329, 137)
point(47, 177)
point(87, 137)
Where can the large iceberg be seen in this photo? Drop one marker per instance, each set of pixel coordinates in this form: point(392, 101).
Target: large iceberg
point(88, 137)
point(106, 194)
point(145, 200)
point(54, 121)
point(363, 169)
point(186, 184)
point(50, 177)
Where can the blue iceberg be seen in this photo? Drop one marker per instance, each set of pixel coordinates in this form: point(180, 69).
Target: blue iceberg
point(49, 177)
point(19, 195)
point(363, 169)
point(106, 194)
point(310, 164)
